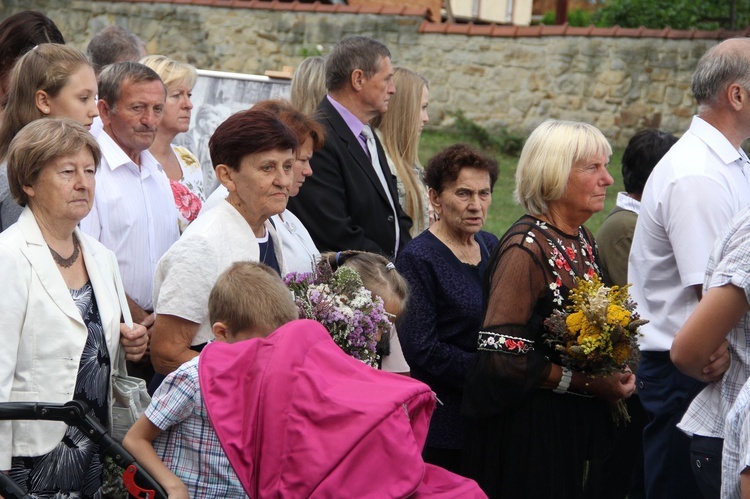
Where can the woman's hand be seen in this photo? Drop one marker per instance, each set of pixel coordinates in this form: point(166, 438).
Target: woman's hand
point(612, 388)
point(134, 341)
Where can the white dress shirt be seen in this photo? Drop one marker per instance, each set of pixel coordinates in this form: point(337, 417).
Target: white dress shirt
point(693, 192)
point(626, 202)
point(134, 215)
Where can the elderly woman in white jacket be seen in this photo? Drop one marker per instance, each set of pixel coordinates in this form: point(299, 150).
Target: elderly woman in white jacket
point(300, 253)
point(253, 156)
point(60, 315)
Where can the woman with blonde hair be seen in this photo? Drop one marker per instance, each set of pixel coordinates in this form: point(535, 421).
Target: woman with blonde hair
point(399, 131)
point(308, 85)
point(20, 33)
point(49, 81)
point(181, 166)
point(528, 415)
point(380, 277)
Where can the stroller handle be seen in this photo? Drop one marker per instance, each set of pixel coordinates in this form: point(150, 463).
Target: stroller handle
point(76, 413)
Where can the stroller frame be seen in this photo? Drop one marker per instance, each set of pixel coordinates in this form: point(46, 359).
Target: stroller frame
point(138, 483)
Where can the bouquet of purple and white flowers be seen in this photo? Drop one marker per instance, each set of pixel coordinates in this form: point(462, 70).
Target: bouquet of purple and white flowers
point(339, 301)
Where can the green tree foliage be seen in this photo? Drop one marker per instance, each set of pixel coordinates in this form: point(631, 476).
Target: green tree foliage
point(677, 14)
point(576, 17)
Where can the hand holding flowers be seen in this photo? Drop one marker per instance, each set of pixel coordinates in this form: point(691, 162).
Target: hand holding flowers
point(613, 387)
point(597, 335)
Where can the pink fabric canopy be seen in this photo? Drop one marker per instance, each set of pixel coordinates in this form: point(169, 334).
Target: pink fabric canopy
point(297, 417)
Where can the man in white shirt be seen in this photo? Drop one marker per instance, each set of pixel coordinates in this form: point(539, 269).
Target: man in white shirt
point(134, 213)
point(701, 183)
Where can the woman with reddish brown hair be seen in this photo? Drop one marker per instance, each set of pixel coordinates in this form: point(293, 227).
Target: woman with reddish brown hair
point(300, 253)
point(253, 153)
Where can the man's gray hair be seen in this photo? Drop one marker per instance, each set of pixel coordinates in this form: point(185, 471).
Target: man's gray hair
point(114, 75)
point(721, 66)
point(114, 44)
point(353, 52)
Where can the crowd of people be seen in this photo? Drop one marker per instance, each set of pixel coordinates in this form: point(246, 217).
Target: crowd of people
point(105, 222)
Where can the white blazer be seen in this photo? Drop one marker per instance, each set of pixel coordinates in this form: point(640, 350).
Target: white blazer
point(42, 334)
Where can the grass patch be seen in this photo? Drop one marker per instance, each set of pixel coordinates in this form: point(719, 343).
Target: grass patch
point(504, 211)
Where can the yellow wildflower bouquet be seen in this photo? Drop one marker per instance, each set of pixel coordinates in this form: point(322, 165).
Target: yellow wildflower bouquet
point(597, 334)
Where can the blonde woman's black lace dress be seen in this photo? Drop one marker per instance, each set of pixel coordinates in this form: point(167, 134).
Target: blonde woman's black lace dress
point(524, 441)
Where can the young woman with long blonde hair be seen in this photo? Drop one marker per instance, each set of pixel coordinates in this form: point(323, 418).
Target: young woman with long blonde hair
point(399, 130)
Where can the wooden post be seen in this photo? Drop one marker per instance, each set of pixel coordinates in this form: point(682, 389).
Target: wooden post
point(562, 12)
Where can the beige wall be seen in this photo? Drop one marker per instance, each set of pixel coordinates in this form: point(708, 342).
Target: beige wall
point(494, 10)
point(618, 84)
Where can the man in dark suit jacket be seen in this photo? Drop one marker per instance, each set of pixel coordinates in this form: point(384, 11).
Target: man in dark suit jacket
point(347, 203)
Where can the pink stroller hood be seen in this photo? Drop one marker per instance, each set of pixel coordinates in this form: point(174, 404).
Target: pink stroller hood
point(297, 417)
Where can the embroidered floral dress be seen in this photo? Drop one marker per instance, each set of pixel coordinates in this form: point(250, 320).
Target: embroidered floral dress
point(188, 192)
point(524, 441)
point(74, 468)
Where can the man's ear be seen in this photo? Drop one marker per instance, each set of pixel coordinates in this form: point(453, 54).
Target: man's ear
point(358, 79)
point(105, 112)
point(738, 96)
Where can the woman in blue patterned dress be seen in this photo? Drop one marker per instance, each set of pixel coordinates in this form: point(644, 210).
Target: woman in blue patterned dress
point(60, 318)
point(444, 266)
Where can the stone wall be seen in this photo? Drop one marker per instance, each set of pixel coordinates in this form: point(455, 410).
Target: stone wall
point(620, 84)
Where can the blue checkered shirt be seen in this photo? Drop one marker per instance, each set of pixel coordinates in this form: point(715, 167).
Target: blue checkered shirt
point(736, 454)
point(188, 445)
point(729, 264)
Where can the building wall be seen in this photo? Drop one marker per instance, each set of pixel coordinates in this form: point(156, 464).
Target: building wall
point(509, 76)
point(494, 10)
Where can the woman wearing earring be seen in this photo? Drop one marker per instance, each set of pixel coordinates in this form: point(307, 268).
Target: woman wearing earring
point(180, 165)
point(50, 81)
point(444, 267)
point(399, 130)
